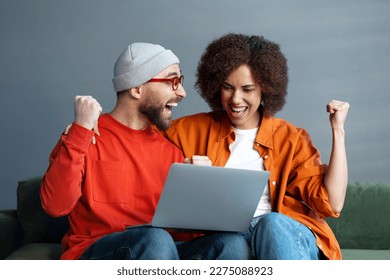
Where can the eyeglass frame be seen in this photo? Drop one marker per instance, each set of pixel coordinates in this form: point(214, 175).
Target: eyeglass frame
point(171, 80)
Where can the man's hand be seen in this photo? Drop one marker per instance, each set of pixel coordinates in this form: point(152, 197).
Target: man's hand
point(87, 111)
point(198, 160)
point(338, 111)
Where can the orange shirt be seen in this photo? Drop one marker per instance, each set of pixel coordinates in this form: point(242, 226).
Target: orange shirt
point(106, 187)
point(296, 181)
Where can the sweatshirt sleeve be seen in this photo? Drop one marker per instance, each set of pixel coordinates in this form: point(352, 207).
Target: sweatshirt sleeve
point(61, 184)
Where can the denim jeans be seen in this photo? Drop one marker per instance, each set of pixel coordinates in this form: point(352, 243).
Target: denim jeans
point(149, 243)
point(275, 236)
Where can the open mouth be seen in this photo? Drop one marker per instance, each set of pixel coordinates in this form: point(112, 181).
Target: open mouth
point(170, 105)
point(238, 110)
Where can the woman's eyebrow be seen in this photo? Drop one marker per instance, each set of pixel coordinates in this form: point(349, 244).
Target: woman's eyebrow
point(247, 85)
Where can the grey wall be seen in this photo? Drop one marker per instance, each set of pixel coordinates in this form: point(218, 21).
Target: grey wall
point(53, 50)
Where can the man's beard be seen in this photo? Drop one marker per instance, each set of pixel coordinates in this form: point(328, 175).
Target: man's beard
point(154, 114)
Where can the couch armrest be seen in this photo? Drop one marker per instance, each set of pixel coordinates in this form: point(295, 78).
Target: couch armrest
point(11, 232)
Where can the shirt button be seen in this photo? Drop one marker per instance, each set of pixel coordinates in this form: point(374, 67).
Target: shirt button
point(274, 183)
point(266, 156)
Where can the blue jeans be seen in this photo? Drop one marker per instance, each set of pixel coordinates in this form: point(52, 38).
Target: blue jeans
point(149, 243)
point(275, 236)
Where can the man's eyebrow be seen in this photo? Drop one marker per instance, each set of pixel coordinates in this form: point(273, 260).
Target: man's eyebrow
point(173, 74)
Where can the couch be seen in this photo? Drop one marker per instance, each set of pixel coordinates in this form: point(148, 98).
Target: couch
point(363, 229)
point(27, 232)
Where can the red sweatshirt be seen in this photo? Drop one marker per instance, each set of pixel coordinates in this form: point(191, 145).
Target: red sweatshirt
point(104, 188)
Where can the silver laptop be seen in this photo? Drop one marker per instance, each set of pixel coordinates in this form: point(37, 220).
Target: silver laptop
point(209, 198)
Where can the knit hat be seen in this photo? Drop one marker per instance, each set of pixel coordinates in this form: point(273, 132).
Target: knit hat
point(139, 63)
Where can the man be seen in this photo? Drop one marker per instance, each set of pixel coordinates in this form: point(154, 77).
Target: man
point(112, 187)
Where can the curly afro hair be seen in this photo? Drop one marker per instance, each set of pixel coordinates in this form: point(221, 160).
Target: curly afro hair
point(265, 59)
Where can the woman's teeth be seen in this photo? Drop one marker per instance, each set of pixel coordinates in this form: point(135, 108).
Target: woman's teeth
point(238, 110)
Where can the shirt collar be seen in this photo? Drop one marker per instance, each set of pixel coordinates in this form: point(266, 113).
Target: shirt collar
point(263, 137)
point(225, 128)
point(265, 133)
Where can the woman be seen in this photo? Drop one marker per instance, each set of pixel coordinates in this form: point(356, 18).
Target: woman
point(244, 80)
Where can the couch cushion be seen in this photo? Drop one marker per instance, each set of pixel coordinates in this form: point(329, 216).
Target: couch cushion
point(10, 232)
point(364, 222)
point(37, 225)
point(37, 251)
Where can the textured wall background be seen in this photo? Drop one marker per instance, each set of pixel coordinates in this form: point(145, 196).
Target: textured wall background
point(53, 50)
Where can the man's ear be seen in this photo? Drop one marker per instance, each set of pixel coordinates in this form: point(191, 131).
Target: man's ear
point(136, 92)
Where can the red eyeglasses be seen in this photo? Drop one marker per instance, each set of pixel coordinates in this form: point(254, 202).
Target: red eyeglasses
point(174, 81)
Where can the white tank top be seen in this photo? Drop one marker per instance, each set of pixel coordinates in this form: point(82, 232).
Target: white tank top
point(244, 156)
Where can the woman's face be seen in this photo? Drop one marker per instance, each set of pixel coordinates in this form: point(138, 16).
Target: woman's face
point(241, 98)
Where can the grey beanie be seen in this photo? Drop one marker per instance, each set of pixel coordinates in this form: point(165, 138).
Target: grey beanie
point(140, 62)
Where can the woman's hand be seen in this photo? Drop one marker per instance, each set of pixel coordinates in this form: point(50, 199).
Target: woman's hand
point(338, 111)
point(198, 160)
point(336, 178)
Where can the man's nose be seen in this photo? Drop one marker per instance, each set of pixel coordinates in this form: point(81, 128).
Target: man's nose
point(181, 91)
